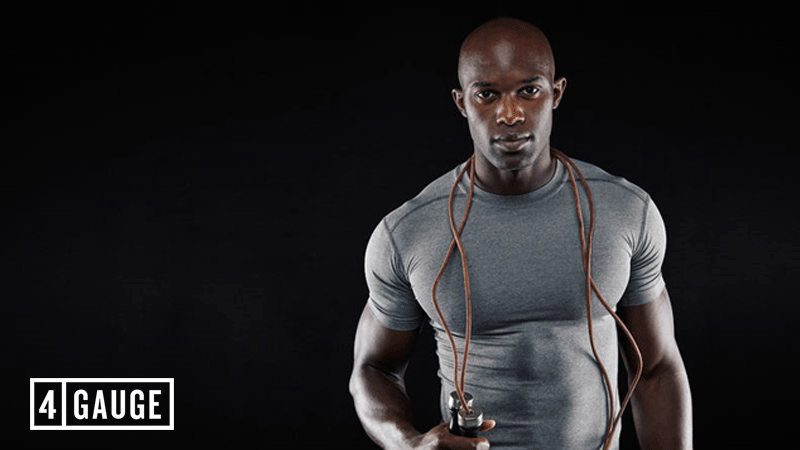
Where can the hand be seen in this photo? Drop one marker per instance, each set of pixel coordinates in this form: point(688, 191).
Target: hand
point(439, 438)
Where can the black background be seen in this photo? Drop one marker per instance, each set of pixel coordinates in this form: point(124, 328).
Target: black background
point(188, 190)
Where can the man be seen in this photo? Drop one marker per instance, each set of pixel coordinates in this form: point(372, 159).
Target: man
point(531, 369)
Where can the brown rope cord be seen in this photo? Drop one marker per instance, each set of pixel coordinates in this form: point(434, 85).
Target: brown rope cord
point(467, 292)
point(586, 251)
point(457, 243)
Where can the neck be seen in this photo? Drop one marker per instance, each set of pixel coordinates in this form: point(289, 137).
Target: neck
point(517, 181)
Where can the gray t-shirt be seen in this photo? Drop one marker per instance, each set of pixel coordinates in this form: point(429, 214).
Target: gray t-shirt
point(530, 363)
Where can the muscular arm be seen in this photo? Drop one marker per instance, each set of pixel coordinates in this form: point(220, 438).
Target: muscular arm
point(378, 388)
point(661, 404)
point(377, 385)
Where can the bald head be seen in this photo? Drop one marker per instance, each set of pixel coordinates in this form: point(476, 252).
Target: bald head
point(508, 94)
point(501, 43)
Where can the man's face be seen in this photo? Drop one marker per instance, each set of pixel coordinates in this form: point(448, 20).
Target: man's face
point(508, 96)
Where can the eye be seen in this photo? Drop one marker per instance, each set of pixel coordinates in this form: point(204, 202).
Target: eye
point(530, 90)
point(485, 94)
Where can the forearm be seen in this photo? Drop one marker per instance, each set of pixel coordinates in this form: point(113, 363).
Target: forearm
point(662, 409)
point(383, 407)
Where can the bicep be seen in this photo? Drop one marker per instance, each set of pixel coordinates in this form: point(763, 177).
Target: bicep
point(652, 327)
point(380, 347)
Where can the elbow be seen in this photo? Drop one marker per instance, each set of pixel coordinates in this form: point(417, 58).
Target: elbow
point(367, 381)
point(667, 370)
point(355, 382)
point(356, 387)
point(360, 380)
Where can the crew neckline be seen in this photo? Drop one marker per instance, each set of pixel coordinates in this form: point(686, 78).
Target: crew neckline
point(552, 187)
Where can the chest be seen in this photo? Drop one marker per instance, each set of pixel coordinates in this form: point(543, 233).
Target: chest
point(522, 266)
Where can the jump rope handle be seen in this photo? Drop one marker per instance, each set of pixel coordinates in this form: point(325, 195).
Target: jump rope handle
point(463, 423)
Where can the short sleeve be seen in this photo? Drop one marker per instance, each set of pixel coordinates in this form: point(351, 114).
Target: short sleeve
point(646, 282)
point(391, 298)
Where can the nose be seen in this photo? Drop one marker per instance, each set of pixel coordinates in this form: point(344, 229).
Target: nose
point(510, 112)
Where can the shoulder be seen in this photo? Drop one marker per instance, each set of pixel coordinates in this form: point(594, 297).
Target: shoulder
point(603, 182)
point(626, 206)
point(419, 208)
point(619, 201)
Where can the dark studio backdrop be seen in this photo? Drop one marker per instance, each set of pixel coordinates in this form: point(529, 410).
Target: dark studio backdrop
point(188, 190)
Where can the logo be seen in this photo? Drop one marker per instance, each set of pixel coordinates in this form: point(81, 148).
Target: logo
point(102, 403)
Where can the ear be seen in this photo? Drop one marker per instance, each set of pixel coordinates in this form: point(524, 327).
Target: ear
point(458, 98)
point(558, 91)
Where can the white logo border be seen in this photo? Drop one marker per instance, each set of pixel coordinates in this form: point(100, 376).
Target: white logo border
point(64, 382)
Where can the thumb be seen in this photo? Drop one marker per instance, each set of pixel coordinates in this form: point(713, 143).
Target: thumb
point(487, 425)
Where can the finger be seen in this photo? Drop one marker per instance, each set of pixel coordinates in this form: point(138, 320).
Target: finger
point(487, 425)
point(463, 443)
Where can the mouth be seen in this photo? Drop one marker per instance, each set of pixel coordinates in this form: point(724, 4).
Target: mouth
point(512, 142)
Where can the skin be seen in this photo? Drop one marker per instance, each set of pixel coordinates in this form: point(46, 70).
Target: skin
point(508, 94)
point(378, 388)
point(662, 403)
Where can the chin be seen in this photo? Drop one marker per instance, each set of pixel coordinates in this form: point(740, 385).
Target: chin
point(512, 161)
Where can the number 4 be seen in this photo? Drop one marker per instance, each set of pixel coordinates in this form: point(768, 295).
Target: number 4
point(47, 405)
